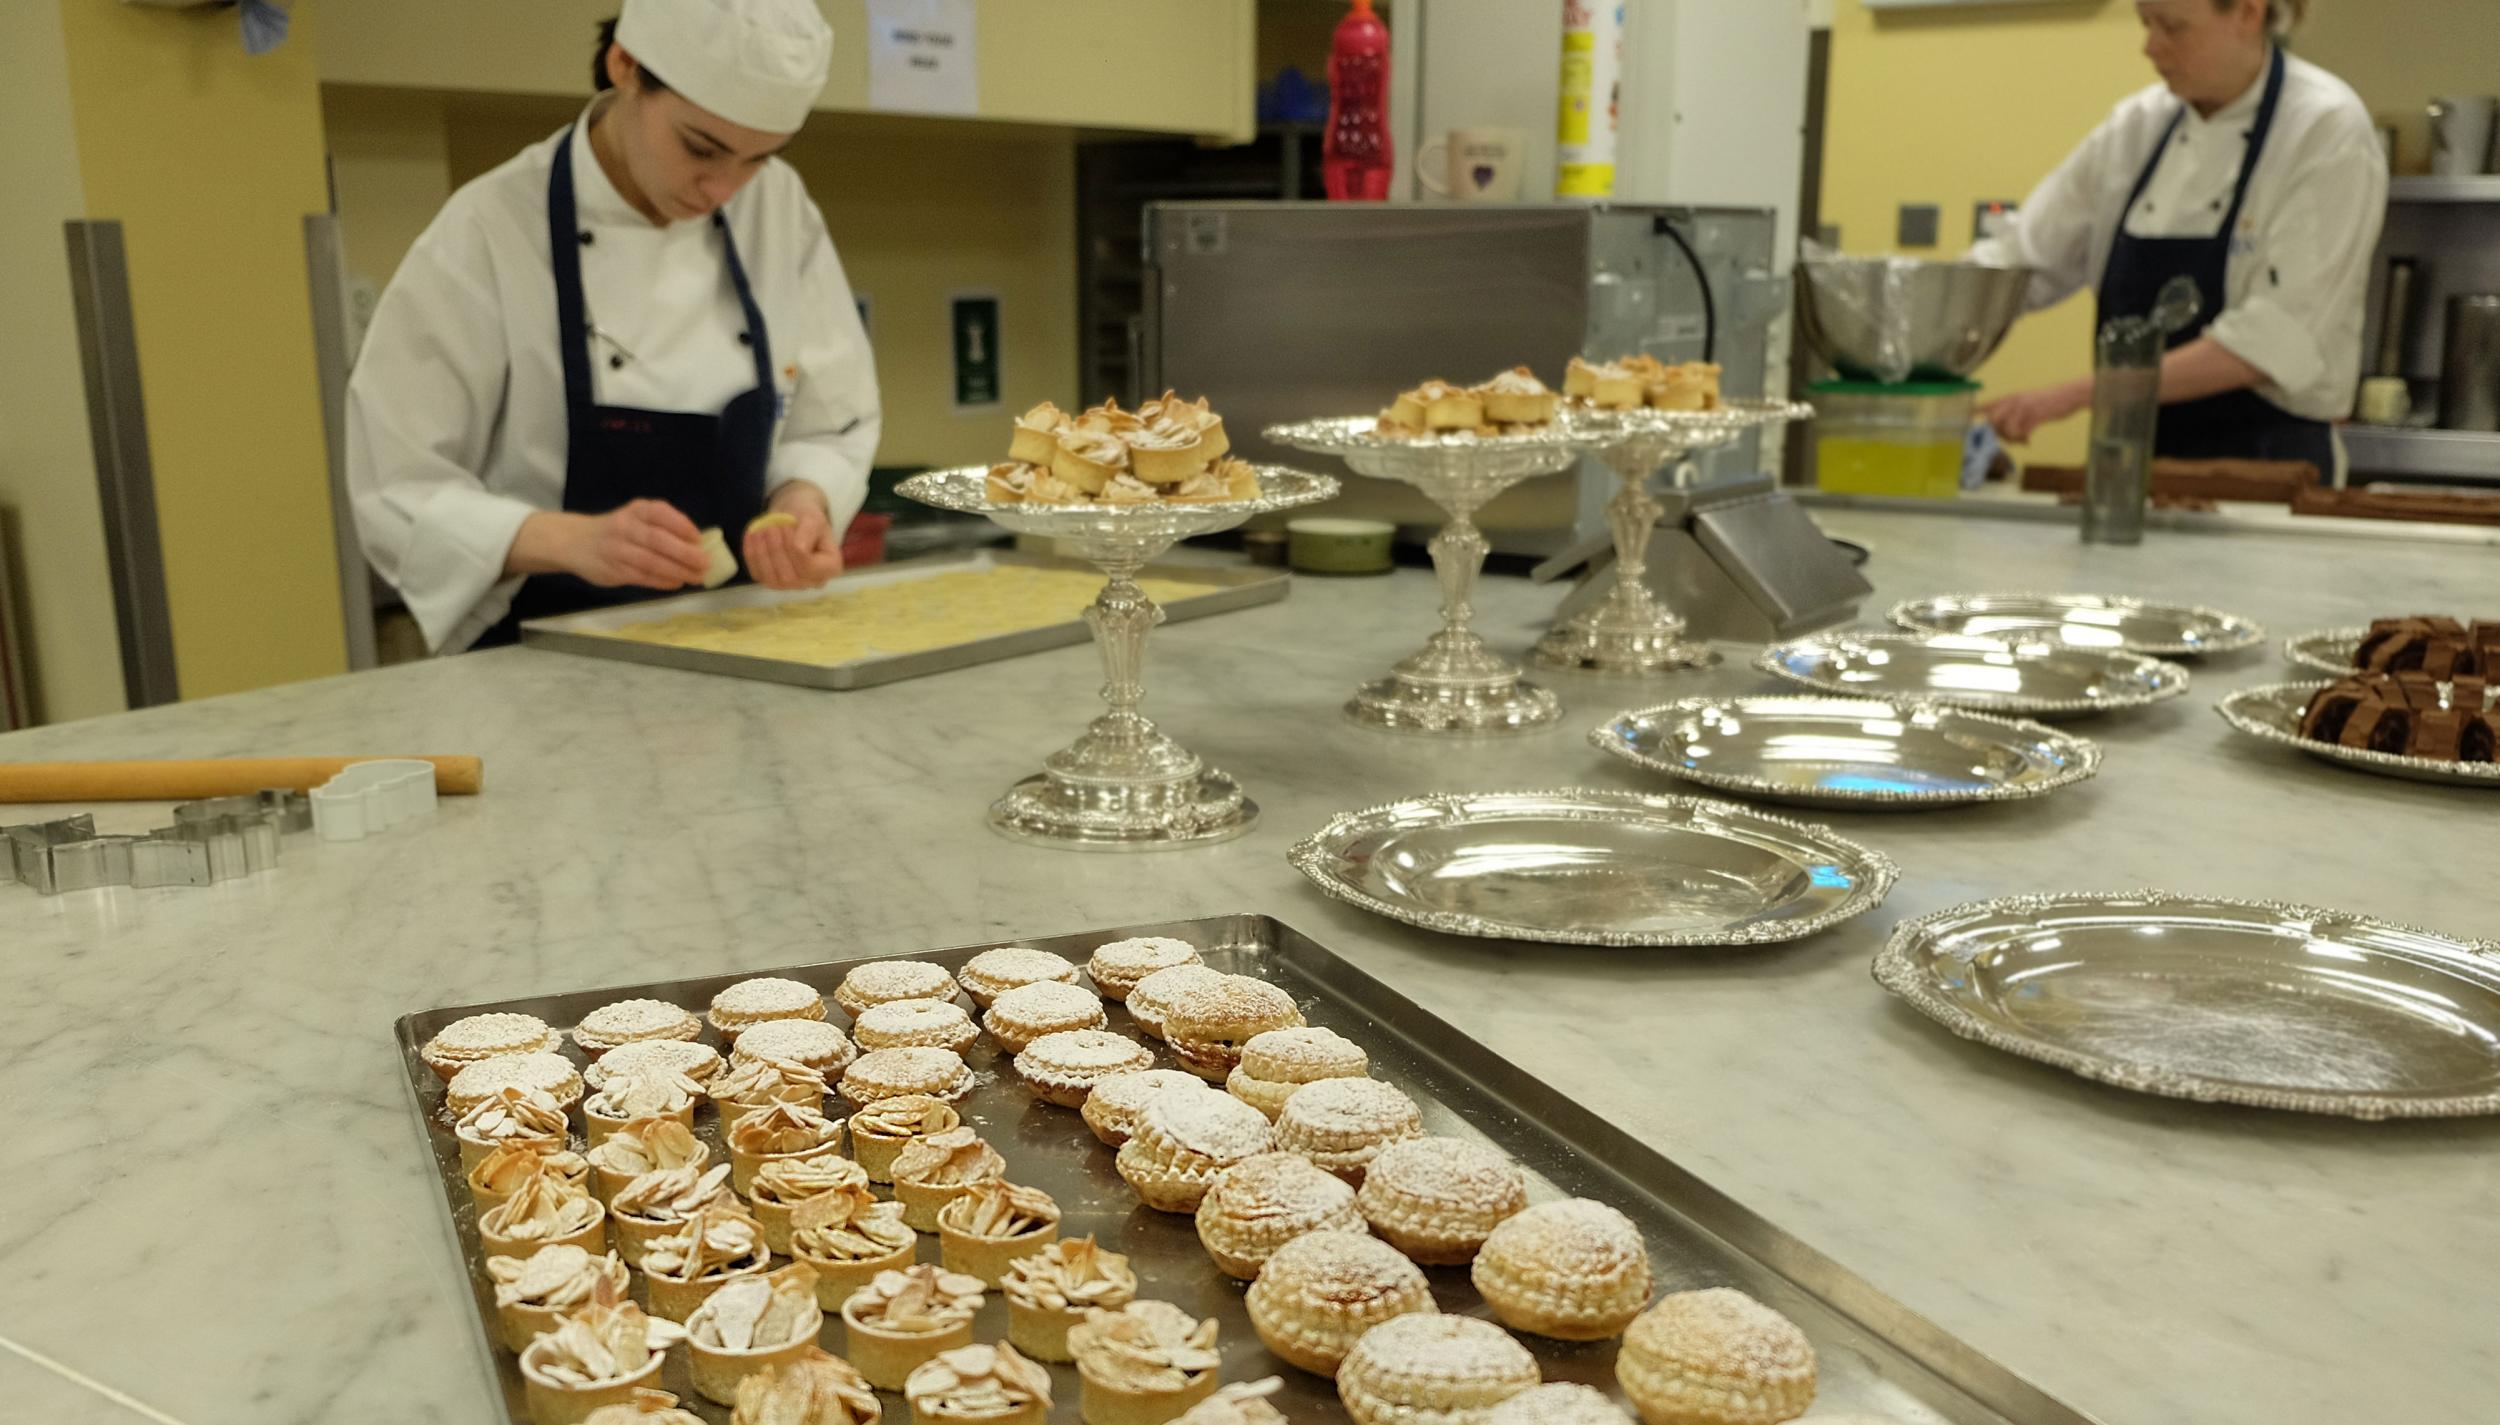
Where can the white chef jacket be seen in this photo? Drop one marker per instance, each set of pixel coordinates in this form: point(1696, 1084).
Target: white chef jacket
point(455, 413)
point(2300, 266)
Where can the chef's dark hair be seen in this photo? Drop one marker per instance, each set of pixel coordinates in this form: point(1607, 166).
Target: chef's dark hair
point(599, 64)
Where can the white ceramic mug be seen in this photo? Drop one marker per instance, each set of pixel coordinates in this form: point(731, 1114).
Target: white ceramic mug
point(1472, 165)
point(2461, 135)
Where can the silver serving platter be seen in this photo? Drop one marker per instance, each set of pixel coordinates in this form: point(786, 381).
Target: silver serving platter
point(1855, 754)
point(1584, 867)
point(2023, 679)
point(2221, 1001)
point(2139, 626)
point(2272, 714)
point(1877, 1357)
point(2328, 650)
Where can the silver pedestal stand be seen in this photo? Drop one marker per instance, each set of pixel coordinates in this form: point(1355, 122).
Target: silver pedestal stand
point(1123, 785)
point(1631, 631)
point(1455, 685)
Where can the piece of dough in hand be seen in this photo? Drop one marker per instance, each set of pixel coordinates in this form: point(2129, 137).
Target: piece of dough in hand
point(724, 565)
point(772, 520)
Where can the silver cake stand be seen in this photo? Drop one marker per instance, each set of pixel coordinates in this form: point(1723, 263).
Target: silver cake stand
point(1631, 630)
point(1123, 785)
point(1455, 685)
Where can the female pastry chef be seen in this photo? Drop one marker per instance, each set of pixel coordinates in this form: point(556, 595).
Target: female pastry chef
point(2256, 174)
point(630, 332)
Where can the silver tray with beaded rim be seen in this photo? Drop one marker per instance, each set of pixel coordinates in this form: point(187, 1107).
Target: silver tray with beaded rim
point(2220, 1001)
point(2272, 714)
point(1875, 1355)
point(1587, 867)
point(2014, 679)
point(2141, 626)
point(1855, 754)
point(2328, 650)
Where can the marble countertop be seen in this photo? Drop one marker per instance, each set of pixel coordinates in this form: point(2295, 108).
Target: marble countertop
point(215, 1201)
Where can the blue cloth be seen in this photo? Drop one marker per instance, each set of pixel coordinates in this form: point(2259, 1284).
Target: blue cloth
point(264, 26)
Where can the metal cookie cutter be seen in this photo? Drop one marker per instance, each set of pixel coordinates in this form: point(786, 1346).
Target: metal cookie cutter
point(209, 842)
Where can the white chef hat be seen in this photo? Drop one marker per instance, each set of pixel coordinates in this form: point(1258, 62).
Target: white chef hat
point(760, 63)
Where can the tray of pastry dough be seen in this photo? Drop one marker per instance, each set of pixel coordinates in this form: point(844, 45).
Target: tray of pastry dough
point(890, 622)
point(1494, 1139)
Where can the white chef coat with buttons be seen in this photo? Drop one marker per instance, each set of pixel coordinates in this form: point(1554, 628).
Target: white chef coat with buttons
point(2300, 264)
point(455, 412)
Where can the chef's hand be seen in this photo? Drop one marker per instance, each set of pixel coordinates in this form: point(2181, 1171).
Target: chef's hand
point(2019, 416)
point(794, 556)
point(649, 544)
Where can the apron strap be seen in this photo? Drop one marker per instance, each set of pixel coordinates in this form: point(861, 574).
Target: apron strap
point(564, 250)
point(758, 339)
point(2257, 136)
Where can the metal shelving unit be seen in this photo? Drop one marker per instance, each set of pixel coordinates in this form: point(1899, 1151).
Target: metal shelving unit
point(2451, 226)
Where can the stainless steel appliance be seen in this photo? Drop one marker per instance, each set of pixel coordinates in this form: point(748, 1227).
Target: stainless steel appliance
point(1287, 311)
point(2469, 379)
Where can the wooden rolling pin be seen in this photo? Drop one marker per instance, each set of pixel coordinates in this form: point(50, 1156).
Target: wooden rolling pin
point(195, 781)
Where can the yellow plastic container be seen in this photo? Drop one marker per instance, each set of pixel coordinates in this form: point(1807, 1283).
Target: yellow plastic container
point(1905, 441)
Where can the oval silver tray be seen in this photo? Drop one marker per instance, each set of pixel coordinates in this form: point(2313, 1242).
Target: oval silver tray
point(2272, 714)
point(1586, 867)
point(2221, 1001)
point(1855, 753)
point(2329, 650)
point(2023, 679)
point(2140, 626)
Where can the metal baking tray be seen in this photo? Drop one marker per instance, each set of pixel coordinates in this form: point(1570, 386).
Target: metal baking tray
point(1875, 1354)
point(593, 633)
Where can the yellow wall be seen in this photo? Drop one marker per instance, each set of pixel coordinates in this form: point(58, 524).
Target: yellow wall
point(918, 209)
point(211, 159)
point(1963, 106)
point(47, 466)
point(2400, 54)
point(1180, 66)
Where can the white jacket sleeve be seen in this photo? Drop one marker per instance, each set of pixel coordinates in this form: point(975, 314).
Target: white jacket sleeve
point(2052, 233)
point(829, 434)
point(421, 409)
point(2312, 262)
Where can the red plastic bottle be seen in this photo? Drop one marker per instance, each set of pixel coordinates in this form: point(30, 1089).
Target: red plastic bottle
point(1355, 160)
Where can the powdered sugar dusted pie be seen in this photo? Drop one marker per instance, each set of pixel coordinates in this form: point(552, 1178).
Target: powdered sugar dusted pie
point(484, 1036)
point(1430, 1369)
point(1025, 1013)
point(1276, 1063)
point(1151, 998)
point(992, 973)
point(1437, 1199)
point(1715, 1357)
point(751, 1002)
point(548, 1073)
point(1261, 1203)
point(1342, 1124)
point(915, 1024)
point(1563, 1403)
point(632, 1021)
point(1183, 1139)
point(1063, 1068)
point(892, 1073)
point(1112, 1108)
point(1208, 1025)
point(1117, 967)
point(1323, 1290)
point(812, 1042)
point(699, 1062)
point(1574, 1270)
point(885, 981)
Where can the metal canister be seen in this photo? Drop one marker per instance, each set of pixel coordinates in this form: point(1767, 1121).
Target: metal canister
point(2469, 377)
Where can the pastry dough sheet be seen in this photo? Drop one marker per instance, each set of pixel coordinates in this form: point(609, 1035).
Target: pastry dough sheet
point(914, 616)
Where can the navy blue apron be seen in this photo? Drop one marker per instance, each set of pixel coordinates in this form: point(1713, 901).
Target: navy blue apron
point(710, 467)
point(2236, 424)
